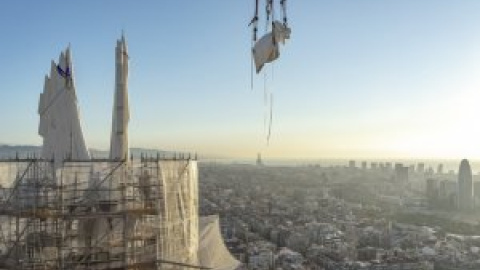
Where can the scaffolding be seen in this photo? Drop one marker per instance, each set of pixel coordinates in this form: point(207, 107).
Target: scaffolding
point(99, 214)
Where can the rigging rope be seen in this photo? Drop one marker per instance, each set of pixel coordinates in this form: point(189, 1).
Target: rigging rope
point(270, 20)
point(254, 23)
point(251, 68)
point(271, 119)
point(283, 4)
point(265, 102)
point(269, 10)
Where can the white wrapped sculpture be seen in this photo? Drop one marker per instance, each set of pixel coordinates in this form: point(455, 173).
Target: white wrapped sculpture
point(59, 115)
point(267, 49)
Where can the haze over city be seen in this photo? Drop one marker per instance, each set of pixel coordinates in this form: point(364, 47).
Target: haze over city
point(240, 135)
point(373, 79)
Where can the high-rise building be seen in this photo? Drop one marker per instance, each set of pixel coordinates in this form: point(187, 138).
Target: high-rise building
point(440, 168)
point(388, 166)
point(421, 167)
point(465, 186)
point(364, 165)
point(476, 193)
point(432, 191)
point(351, 164)
point(447, 192)
point(401, 173)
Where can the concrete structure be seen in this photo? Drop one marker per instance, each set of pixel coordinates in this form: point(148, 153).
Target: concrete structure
point(121, 113)
point(465, 186)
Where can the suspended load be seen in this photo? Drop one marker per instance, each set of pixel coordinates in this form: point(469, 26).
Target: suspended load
point(266, 50)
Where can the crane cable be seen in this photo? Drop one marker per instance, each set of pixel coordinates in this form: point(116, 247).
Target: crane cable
point(268, 117)
point(254, 23)
point(283, 4)
point(268, 11)
point(270, 122)
point(270, 18)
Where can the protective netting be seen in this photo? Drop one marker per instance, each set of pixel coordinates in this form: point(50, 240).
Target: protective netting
point(178, 236)
point(212, 251)
point(99, 214)
point(106, 214)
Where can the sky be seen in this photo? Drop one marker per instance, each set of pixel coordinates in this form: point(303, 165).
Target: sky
point(366, 78)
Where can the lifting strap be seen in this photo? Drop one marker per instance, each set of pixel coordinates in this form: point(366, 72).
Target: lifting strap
point(254, 22)
point(271, 119)
point(269, 11)
point(283, 3)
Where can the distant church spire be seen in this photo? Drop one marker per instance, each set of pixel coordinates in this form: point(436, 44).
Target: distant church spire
point(259, 160)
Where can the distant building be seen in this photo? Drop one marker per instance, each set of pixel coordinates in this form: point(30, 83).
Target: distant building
point(432, 191)
point(440, 168)
point(401, 173)
point(259, 160)
point(465, 186)
point(351, 164)
point(447, 193)
point(364, 165)
point(388, 166)
point(476, 189)
point(476, 193)
point(368, 254)
point(374, 165)
point(381, 165)
point(420, 167)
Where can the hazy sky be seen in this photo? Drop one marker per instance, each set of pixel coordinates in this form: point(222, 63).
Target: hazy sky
point(358, 78)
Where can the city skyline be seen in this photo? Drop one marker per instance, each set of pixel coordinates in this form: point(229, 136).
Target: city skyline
point(366, 80)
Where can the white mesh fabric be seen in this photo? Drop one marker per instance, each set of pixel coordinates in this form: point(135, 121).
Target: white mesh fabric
point(212, 251)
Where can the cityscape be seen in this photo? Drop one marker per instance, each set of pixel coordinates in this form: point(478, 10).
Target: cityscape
point(378, 215)
point(239, 135)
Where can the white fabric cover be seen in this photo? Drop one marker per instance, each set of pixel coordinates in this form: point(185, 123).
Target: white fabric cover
point(178, 232)
point(212, 252)
point(265, 49)
point(59, 115)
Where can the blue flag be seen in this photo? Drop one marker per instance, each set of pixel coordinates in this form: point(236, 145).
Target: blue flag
point(63, 73)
